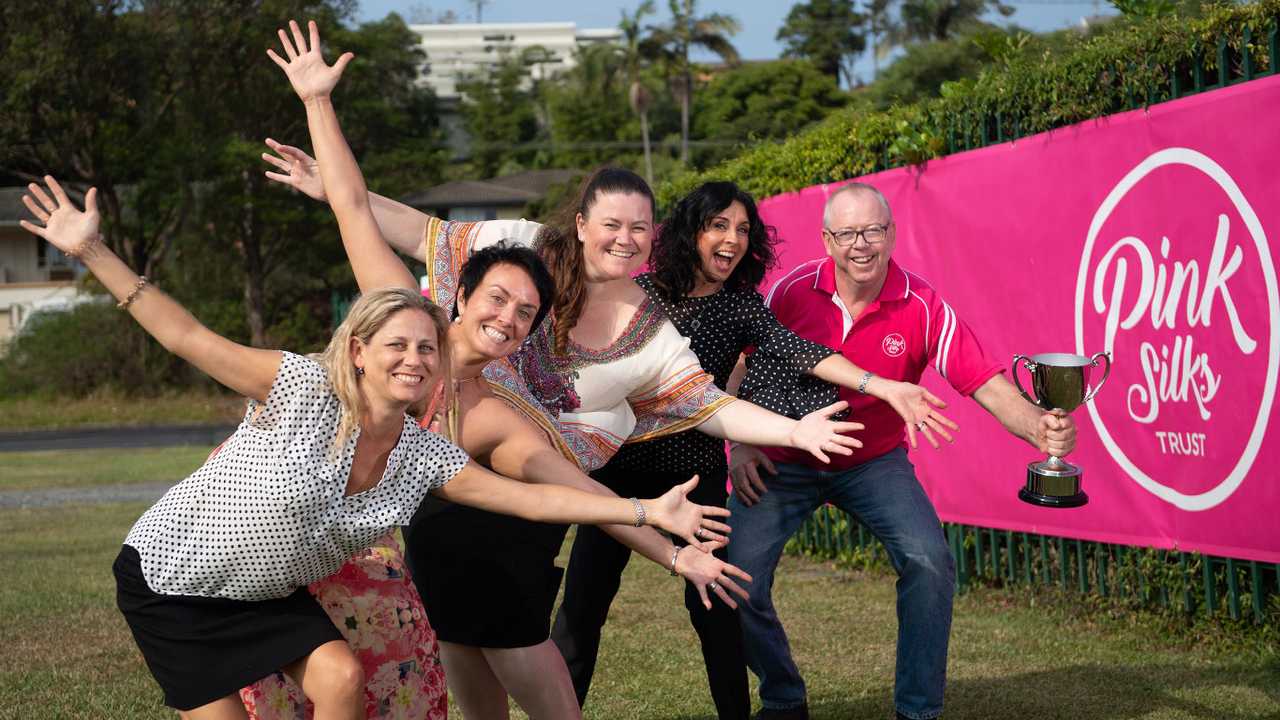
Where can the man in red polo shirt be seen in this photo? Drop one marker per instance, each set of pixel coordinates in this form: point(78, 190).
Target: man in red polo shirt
point(894, 325)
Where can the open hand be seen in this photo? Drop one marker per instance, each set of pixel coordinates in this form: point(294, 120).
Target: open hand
point(817, 434)
point(674, 513)
point(708, 572)
point(301, 171)
point(307, 72)
point(65, 227)
point(919, 408)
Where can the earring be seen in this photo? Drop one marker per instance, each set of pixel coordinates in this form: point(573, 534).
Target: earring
point(359, 371)
point(457, 319)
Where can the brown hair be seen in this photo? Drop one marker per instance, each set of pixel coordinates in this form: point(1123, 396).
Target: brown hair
point(559, 246)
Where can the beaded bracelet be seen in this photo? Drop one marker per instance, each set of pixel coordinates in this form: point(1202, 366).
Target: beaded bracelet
point(125, 303)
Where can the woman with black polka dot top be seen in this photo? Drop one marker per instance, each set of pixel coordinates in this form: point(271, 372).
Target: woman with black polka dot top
point(212, 579)
point(708, 259)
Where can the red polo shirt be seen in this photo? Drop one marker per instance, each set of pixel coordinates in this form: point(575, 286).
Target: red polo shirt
point(905, 329)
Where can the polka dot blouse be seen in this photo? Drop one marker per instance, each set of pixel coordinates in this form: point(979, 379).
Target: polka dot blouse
point(719, 326)
point(269, 514)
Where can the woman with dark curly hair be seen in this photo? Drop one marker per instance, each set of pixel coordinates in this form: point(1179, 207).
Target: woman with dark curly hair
point(707, 261)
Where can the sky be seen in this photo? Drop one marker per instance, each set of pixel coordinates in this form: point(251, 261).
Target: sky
point(760, 19)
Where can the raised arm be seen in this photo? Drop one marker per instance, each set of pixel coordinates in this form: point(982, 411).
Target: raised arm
point(248, 371)
point(374, 263)
point(403, 227)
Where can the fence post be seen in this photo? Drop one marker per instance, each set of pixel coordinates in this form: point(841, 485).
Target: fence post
point(1246, 53)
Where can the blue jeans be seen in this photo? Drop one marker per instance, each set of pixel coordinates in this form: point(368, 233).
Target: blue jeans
point(884, 495)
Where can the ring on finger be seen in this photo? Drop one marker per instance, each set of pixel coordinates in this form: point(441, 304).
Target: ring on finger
point(713, 585)
point(920, 425)
point(698, 533)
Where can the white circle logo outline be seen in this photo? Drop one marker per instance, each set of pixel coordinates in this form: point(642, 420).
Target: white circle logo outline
point(893, 344)
point(1203, 163)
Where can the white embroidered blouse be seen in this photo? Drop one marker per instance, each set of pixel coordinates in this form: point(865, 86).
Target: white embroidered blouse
point(646, 384)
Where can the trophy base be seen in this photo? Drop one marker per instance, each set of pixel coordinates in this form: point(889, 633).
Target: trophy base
point(1053, 485)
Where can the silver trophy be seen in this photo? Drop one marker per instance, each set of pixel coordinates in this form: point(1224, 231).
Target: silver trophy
point(1061, 381)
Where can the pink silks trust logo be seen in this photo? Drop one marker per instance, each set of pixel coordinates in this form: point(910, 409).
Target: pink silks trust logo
point(1176, 281)
point(893, 345)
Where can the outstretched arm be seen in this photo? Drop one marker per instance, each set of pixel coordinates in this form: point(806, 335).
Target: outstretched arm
point(918, 407)
point(374, 263)
point(248, 371)
point(478, 487)
point(403, 227)
point(525, 455)
point(1052, 432)
point(744, 422)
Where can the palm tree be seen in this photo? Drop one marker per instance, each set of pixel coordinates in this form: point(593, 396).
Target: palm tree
point(687, 30)
point(635, 51)
point(929, 20)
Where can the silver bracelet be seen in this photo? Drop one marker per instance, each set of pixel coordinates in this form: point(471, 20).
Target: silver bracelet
point(866, 378)
point(640, 518)
point(675, 555)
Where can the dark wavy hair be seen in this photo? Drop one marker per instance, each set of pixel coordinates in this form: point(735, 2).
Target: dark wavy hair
point(675, 251)
point(559, 247)
point(505, 253)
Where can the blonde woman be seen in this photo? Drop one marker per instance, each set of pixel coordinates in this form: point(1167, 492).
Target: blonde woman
point(212, 578)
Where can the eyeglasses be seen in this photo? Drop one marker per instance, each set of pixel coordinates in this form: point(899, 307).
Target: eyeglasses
point(872, 234)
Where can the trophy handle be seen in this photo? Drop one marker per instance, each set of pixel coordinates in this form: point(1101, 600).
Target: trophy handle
point(1030, 366)
point(1105, 373)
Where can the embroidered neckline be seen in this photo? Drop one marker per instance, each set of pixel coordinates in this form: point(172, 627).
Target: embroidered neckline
point(644, 324)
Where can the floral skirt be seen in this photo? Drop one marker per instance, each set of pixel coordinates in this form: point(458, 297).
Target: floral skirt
point(373, 603)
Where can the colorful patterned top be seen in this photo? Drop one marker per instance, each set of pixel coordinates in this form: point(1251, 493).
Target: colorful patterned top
point(646, 384)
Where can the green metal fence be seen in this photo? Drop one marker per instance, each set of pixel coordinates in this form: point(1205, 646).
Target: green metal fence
point(1233, 64)
point(1191, 582)
point(1167, 579)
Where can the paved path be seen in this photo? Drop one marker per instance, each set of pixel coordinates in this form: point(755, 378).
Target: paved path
point(135, 437)
point(86, 439)
point(49, 497)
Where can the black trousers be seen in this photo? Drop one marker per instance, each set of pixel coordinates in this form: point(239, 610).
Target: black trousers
point(595, 572)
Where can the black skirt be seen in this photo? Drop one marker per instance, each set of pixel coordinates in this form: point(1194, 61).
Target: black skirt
point(486, 580)
point(201, 649)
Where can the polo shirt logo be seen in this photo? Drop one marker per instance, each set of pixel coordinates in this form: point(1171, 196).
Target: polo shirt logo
point(894, 345)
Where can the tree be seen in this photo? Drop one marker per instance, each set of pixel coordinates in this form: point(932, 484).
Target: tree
point(826, 33)
point(675, 39)
point(587, 106)
point(885, 32)
point(636, 51)
point(500, 115)
point(939, 19)
point(90, 93)
point(163, 106)
point(763, 101)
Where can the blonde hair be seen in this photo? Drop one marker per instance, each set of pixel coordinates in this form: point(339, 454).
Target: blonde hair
point(366, 317)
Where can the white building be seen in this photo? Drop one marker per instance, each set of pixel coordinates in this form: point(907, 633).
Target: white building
point(456, 50)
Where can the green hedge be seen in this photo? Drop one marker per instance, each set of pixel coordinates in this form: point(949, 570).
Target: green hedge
point(1030, 88)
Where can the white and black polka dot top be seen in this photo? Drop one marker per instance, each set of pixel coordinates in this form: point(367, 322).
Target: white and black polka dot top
point(269, 514)
point(719, 327)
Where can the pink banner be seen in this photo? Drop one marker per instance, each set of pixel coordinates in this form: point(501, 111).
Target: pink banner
point(1144, 234)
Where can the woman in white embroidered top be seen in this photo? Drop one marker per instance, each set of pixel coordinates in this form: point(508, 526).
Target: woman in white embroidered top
point(643, 381)
point(212, 578)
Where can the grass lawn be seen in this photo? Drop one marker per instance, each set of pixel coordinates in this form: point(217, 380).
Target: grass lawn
point(94, 468)
point(105, 409)
point(68, 654)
